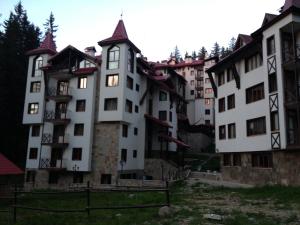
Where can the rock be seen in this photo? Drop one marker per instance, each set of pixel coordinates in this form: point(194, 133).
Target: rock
point(212, 217)
point(118, 215)
point(165, 211)
point(131, 195)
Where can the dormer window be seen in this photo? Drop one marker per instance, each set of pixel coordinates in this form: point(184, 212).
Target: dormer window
point(38, 63)
point(113, 58)
point(130, 61)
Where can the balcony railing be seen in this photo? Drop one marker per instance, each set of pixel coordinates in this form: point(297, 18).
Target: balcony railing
point(288, 54)
point(291, 96)
point(57, 117)
point(53, 91)
point(56, 164)
point(49, 139)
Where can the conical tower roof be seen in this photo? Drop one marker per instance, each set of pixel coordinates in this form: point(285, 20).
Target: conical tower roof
point(47, 46)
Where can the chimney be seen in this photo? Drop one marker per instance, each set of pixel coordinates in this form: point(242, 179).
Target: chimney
point(90, 51)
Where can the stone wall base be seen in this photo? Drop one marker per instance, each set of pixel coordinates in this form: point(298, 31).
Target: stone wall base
point(285, 169)
point(160, 169)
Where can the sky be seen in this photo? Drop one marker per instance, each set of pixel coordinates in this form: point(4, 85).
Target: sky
point(154, 26)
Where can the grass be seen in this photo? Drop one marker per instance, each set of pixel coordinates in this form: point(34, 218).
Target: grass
point(259, 206)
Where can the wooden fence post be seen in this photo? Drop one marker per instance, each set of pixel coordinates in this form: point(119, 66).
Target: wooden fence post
point(88, 197)
point(15, 203)
point(167, 193)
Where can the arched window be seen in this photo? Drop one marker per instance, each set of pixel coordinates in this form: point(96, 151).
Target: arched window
point(38, 63)
point(130, 60)
point(113, 58)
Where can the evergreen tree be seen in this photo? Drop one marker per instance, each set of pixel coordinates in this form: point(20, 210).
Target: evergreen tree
point(50, 26)
point(194, 55)
point(231, 44)
point(216, 50)
point(222, 52)
point(177, 54)
point(202, 53)
point(186, 55)
point(18, 37)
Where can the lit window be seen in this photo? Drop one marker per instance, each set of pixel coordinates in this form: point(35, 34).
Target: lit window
point(112, 80)
point(82, 82)
point(35, 87)
point(207, 101)
point(33, 108)
point(37, 67)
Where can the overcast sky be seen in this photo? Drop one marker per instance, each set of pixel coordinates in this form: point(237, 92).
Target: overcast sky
point(154, 26)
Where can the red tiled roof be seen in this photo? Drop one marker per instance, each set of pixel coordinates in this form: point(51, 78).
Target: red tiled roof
point(7, 167)
point(85, 71)
point(157, 121)
point(290, 3)
point(180, 64)
point(47, 46)
point(176, 141)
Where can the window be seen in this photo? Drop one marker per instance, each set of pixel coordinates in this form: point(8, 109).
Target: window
point(33, 108)
point(208, 90)
point(222, 132)
point(33, 153)
point(137, 87)
point(112, 80)
point(162, 96)
point(272, 82)
point(135, 131)
point(262, 159)
point(35, 87)
point(221, 104)
point(53, 177)
point(30, 176)
point(207, 122)
point(110, 104)
point(82, 82)
point(77, 178)
point(192, 72)
point(207, 101)
point(226, 159)
point(105, 178)
point(124, 130)
point(255, 93)
point(170, 116)
point(38, 63)
point(237, 159)
point(134, 153)
point(221, 79)
point(207, 111)
point(229, 75)
point(129, 82)
point(271, 45)
point(231, 131)
point(274, 121)
point(128, 106)
point(35, 131)
point(113, 58)
point(192, 92)
point(256, 126)
point(192, 82)
point(253, 62)
point(130, 60)
point(124, 155)
point(62, 88)
point(77, 154)
point(231, 101)
point(162, 115)
point(78, 129)
point(136, 108)
point(207, 80)
point(80, 105)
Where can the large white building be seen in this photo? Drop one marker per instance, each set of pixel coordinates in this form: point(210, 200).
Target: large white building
point(258, 103)
point(100, 118)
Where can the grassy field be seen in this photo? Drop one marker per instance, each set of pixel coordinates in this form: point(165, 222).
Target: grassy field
point(190, 201)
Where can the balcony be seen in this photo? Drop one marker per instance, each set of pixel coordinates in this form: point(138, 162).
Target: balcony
point(59, 95)
point(288, 57)
point(57, 141)
point(53, 164)
point(57, 117)
point(60, 73)
point(291, 99)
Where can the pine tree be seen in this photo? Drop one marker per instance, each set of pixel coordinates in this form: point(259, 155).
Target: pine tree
point(18, 37)
point(202, 53)
point(186, 55)
point(177, 54)
point(216, 50)
point(222, 52)
point(194, 55)
point(50, 26)
point(231, 44)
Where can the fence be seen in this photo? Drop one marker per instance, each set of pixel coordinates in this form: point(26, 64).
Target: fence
point(88, 206)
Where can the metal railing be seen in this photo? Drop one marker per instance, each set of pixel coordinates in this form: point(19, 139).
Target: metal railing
point(48, 138)
point(47, 163)
point(57, 115)
point(288, 54)
point(53, 92)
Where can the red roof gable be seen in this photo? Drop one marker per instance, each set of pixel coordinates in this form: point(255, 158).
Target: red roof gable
point(7, 167)
point(290, 3)
point(47, 46)
point(85, 71)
